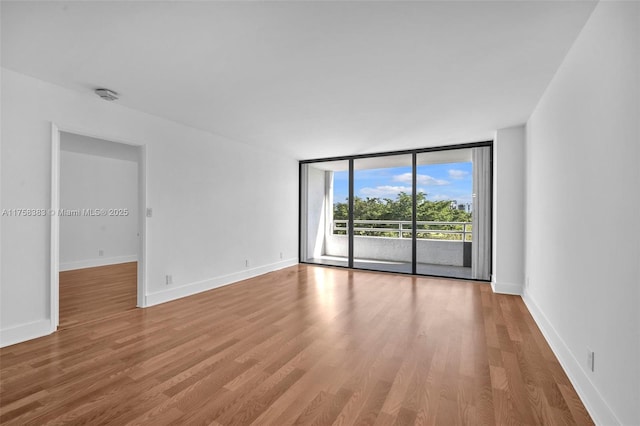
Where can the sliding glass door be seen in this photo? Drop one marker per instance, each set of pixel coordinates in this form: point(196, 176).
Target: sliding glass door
point(452, 213)
point(324, 193)
point(382, 212)
point(425, 212)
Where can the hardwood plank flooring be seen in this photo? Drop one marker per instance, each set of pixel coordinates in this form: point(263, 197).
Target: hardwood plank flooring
point(93, 293)
point(306, 345)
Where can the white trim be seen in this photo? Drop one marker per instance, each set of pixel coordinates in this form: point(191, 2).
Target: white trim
point(209, 284)
point(55, 222)
point(593, 401)
point(23, 332)
point(142, 226)
point(303, 252)
point(506, 288)
point(55, 227)
point(100, 261)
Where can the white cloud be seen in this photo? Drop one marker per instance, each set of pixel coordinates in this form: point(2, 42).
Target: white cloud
point(385, 191)
point(421, 179)
point(440, 197)
point(457, 174)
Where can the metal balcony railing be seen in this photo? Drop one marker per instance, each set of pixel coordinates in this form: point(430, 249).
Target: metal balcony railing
point(427, 230)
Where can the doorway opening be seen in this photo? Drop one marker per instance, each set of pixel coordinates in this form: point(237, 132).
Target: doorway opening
point(98, 224)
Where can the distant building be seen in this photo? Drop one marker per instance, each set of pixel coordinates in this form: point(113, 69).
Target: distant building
point(465, 207)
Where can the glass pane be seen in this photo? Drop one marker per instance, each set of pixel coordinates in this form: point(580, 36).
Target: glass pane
point(324, 238)
point(447, 212)
point(382, 213)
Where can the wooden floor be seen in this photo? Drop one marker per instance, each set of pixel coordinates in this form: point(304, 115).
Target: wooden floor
point(305, 345)
point(93, 293)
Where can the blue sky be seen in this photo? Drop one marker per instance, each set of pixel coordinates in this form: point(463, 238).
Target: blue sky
point(451, 181)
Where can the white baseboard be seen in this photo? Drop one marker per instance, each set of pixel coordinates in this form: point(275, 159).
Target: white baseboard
point(100, 261)
point(209, 284)
point(506, 288)
point(23, 332)
point(597, 407)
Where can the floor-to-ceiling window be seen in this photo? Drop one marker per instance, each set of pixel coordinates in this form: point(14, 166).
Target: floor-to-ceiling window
point(425, 212)
point(382, 212)
point(324, 195)
point(454, 193)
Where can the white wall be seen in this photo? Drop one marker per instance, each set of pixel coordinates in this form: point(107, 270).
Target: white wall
point(216, 203)
point(583, 199)
point(508, 211)
point(96, 182)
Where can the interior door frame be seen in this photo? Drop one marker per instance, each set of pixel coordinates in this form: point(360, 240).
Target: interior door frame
point(56, 129)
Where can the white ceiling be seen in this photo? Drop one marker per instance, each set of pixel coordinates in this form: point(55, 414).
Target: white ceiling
point(309, 79)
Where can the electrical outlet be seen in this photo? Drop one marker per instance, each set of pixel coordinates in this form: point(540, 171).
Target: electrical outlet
point(168, 279)
point(246, 263)
point(591, 360)
point(149, 212)
point(280, 255)
point(100, 252)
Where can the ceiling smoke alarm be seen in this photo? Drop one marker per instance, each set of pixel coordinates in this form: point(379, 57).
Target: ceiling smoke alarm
point(106, 94)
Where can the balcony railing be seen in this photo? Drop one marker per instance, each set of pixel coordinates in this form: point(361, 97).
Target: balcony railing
point(427, 230)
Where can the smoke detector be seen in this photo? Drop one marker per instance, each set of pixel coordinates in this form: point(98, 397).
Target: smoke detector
point(106, 94)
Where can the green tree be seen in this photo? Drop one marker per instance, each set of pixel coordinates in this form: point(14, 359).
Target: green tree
point(400, 209)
